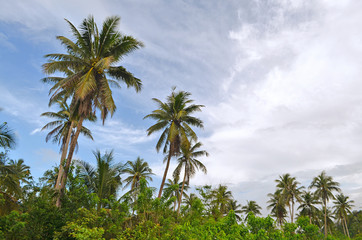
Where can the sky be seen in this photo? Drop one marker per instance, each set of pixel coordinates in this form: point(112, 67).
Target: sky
point(280, 80)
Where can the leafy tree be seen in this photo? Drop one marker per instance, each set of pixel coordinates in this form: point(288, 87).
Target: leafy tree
point(135, 171)
point(251, 207)
point(105, 179)
point(7, 137)
point(343, 206)
point(92, 60)
point(324, 186)
point(190, 164)
point(174, 119)
point(290, 191)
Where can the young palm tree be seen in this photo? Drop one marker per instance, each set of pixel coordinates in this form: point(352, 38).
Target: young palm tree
point(251, 207)
point(189, 164)
point(91, 67)
point(173, 188)
point(277, 206)
point(135, 171)
point(7, 137)
point(105, 179)
point(307, 206)
point(221, 197)
point(324, 186)
point(290, 191)
point(342, 206)
point(174, 119)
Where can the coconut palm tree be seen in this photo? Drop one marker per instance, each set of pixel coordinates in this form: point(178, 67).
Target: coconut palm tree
point(290, 191)
point(342, 206)
point(189, 164)
point(324, 187)
point(173, 189)
point(221, 197)
point(277, 206)
point(62, 131)
point(91, 66)
point(307, 206)
point(251, 207)
point(233, 205)
point(135, 171)
point(7, 137)
point(105, 179)
point(174, 120)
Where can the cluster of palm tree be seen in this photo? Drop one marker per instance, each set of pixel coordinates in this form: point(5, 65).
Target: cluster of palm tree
point(90, 67)
point(13, 173)
point(289, 192)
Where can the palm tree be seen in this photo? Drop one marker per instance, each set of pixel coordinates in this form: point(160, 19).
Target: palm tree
point(190, 164)
point(62, 132)
point(221, 197)
point(324, 186)
point(277, 206)
point(290, 191)
point(91, 67)
point(7, 137)
point(105, 179)
point(342, 206)
point(233, 205)
point(307, 206)
point(135, 171)
point(251, 207)
point(173, 189)
point(174, 119)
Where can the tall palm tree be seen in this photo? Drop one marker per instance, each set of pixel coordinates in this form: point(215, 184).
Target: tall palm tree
point(307, 206)
point(251, 207)
point(342, 206)
point(105, 179)
point(277, 206)
point(290, 190)
point(324, 187)
point(189, 164)
point(7, 137)
point(135, 171)
point(62, 131)
point(92, 61)
point(174, 119)
point(221, 197)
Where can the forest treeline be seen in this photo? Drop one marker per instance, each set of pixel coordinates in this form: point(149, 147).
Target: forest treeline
point(77, 200)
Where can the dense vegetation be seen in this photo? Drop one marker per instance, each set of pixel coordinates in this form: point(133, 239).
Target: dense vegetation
point(79, 201)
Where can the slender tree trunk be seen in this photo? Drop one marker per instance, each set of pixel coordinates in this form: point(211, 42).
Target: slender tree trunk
point(292, 210)
point(174, 205)
point(62, 158)
point(182, 190)
point(165, 174)
point(325, 219)
point(69, 160)
point(310, 218)
point(344, 229)
point(345, 222)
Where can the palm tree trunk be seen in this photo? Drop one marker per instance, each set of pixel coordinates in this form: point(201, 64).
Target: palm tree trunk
point(344, 229)
point(325, 219)
point(182, 190)
point(290, 213)
point(165, 174)
point(292, 210)
point(345, 222)
point(69, 160)
point(63, 156)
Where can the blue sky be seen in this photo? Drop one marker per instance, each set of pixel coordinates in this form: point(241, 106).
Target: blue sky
point(281, 82)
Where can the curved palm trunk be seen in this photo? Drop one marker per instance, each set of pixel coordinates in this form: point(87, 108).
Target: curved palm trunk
point(62, 158)
point(292, 210)
point(344, 229)
point(165, 174)
point(69, 160)
point(182, 190)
